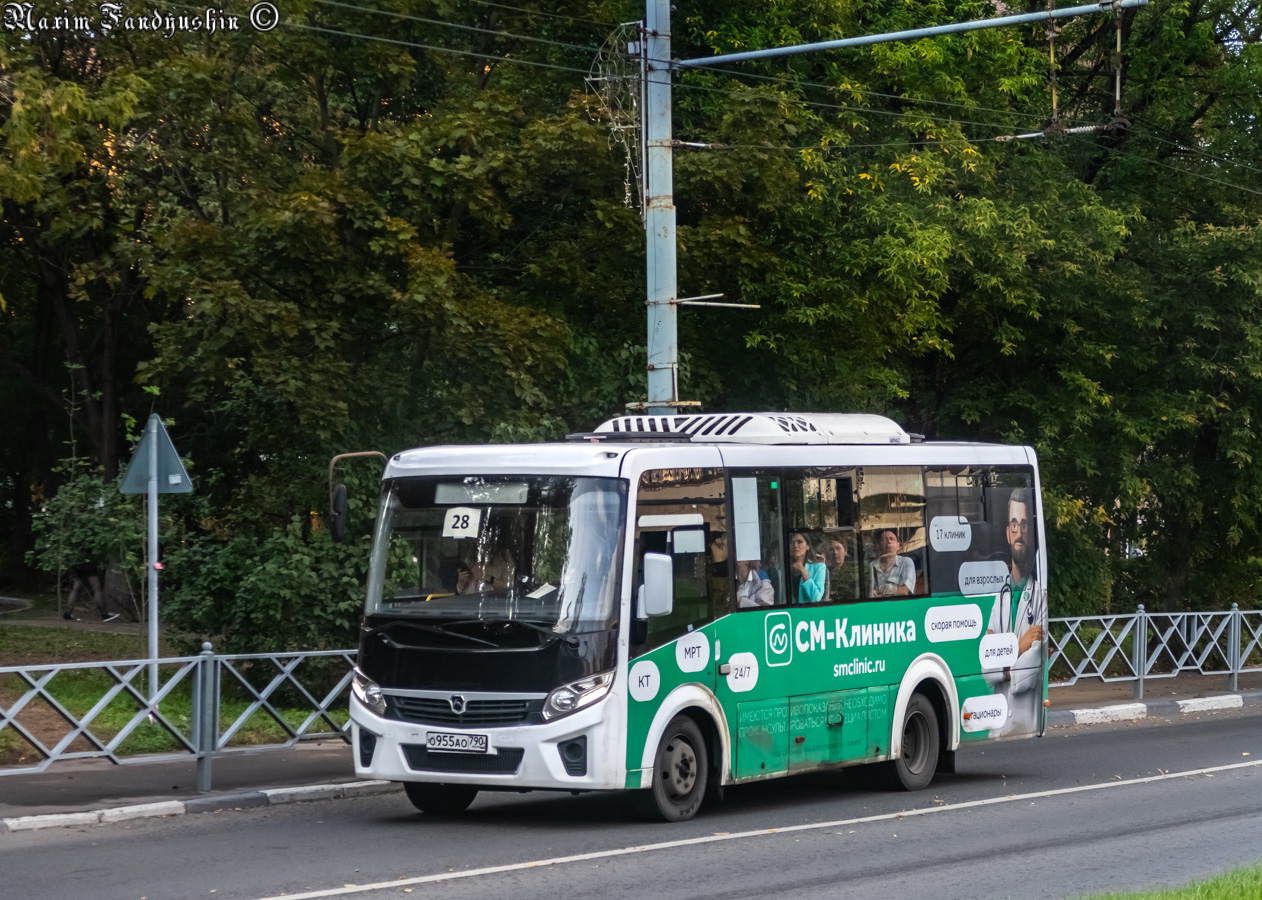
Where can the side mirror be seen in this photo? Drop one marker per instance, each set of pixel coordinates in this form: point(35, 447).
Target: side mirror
point(337, 511)
point(337, 493)
point(657, 597)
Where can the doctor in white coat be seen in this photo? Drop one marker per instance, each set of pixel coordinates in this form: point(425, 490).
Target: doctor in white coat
point(1021, 609)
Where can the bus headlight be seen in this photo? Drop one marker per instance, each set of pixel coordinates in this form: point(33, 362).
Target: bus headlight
point(367, 692)
point(577, 694)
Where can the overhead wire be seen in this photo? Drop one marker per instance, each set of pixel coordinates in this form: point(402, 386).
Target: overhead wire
point(836, 106)
point(719, 146)
point(744, 96)
point(439, 49)
point(870, 93)
point(553, 66)
point(1179, 169)
point(687, 145)
point(534, 12)
point(1145, 132)
point(458, 26)
point(714, 69)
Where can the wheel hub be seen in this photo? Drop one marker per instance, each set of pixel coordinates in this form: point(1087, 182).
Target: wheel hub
point(915, 743)
point(679, 770)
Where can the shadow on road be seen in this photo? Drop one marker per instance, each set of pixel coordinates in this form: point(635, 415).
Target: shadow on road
point(795, 797)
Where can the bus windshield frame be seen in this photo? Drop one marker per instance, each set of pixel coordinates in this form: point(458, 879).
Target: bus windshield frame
point(540, 549)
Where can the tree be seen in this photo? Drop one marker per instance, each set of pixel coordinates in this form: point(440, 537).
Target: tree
point(337, 236)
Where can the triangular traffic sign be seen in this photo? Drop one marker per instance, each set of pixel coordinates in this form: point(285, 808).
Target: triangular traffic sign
point(172, 477)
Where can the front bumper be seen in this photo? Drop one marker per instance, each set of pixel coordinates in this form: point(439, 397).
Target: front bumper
point(399, 753)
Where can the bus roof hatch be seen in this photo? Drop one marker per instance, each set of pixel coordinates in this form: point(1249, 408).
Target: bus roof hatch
point(758, 428)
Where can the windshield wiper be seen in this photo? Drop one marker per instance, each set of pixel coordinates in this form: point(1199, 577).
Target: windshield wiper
point(569, 639)
point(432, 629)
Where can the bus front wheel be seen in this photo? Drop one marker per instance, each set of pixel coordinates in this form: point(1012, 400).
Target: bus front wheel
point(914, 767)
point(680, 772)
point(440, 799)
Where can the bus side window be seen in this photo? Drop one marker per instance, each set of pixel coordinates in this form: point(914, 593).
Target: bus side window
point(893, 532)
point(1014, 521)
point(955, 499)
point(757, 535)
point(683, 513)
point(820, 507)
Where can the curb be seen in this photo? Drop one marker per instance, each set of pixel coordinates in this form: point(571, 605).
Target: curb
point(1122, 712)
point(1128, 712)
point(244, 800)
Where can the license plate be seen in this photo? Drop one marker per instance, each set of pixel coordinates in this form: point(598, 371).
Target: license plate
point(456, 743)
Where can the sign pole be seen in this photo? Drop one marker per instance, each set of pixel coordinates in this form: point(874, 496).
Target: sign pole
point(155, 468)
point(153, 558)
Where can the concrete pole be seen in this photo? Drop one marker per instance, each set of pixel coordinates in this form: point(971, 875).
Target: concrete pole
point(659, 219)
point(153, 558)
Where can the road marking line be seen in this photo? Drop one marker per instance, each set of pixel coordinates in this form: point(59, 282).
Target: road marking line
point(739, 835)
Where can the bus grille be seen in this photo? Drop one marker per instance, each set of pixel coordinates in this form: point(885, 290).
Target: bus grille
point(477, 714)
point(506, 762)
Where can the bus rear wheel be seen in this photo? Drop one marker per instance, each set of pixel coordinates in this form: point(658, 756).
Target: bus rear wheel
point(680, 774)
point(440, 799)
point(914, 767)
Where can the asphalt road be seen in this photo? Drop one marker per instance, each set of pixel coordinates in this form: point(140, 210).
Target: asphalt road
point(1079, 811)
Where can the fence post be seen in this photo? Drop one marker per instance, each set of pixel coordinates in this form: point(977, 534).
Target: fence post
point(206, 706)
point(1234, 662)
point(1139, 650)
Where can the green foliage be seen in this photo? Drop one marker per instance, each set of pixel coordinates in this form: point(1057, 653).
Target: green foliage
point(287, 591)
point(307, 243)
point(88, 520)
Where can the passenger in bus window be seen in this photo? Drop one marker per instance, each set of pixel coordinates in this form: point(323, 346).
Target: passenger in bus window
point(1020, 609)
point(843, 571)
point(464, 578)
point(753, 585)
point(807, 573)
point(891, 575)
point(473, 577)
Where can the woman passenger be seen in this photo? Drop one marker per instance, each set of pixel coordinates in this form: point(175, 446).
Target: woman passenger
point(810, 575)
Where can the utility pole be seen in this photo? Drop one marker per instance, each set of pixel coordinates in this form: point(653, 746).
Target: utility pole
point(659, 212)
point(659, 200)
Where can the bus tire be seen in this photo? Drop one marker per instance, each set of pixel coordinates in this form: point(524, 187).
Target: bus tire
point(440, 799)
point(680, 774)
point(914, 768)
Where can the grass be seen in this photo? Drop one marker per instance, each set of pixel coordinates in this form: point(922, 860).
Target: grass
point(1240, 884)
point(31, 645)
point(78, 691)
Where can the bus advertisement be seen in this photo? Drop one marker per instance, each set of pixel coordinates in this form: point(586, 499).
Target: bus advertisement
point(673, 604)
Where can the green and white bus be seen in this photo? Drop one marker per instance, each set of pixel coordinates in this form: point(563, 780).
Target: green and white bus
point(674, 604)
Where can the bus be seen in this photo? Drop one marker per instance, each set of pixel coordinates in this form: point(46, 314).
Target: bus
point(671, 605)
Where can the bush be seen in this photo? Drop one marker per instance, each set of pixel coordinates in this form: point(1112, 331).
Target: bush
point(88, 520)
point(288, 591)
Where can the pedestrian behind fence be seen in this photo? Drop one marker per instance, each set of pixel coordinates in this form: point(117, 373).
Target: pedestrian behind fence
point(85, 585)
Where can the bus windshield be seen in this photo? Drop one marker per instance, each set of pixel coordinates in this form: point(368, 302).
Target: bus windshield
point(537, 549)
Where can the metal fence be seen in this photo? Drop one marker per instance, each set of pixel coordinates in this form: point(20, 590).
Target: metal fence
point(1144, 646)
point(201, 705)
point(211, 704)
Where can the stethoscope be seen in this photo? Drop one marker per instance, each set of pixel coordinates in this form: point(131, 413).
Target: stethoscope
point(1005, 600)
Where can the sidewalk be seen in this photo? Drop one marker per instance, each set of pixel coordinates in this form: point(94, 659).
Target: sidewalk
point(1092, 702)
point(89, 792)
